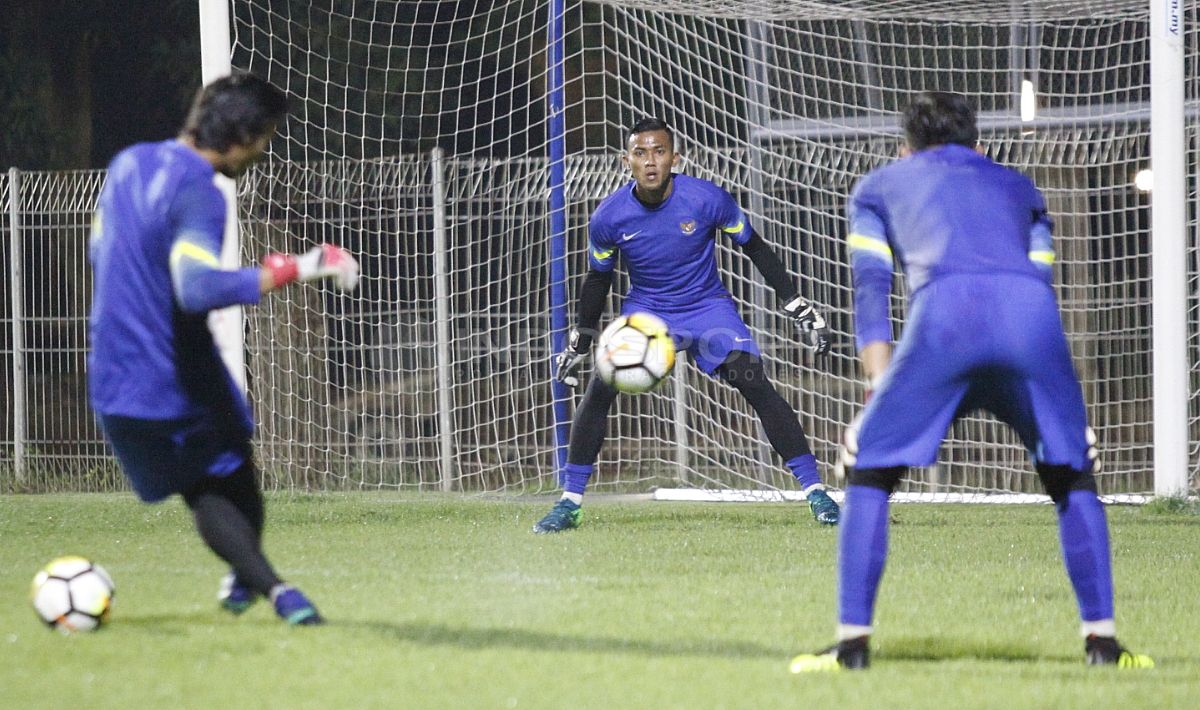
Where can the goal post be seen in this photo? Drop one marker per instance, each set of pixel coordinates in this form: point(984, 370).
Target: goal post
point(783, 103)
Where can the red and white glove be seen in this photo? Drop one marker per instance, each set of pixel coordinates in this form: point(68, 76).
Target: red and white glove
point(326, 260)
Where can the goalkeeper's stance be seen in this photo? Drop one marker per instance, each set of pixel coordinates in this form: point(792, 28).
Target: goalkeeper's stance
point(983, 331)
point(664, 226)
point(167, 404)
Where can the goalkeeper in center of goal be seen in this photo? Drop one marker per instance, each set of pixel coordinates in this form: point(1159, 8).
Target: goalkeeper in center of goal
point(664, 225)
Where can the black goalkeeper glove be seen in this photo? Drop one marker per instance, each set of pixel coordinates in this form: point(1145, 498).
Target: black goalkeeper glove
point(568, 362)
point(811, 324)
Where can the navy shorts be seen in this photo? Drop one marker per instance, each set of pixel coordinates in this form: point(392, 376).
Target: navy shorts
point(991, 342)
point(709, 333)
point(164, 457)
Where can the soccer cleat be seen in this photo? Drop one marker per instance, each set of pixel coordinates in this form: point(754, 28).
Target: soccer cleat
point(824, 509)
point(293, 607)
point(1107, 651)
point(563, 516)
point(234, 597)
point(851, 654)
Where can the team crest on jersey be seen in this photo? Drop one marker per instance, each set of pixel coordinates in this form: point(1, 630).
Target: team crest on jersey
point(688, 226)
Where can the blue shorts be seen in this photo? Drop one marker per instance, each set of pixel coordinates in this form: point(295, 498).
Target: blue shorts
point(992, 342)
point(709, 332)
point(163, 457)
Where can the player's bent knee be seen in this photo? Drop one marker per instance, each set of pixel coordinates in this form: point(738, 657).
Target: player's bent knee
point(239, 486)
point(745, 373)
point(885, 479)
point(1059, 481)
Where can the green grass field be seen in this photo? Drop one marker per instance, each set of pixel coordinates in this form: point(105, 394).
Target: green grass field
point(439, 602)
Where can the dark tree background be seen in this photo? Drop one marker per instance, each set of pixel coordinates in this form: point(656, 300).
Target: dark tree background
point(80, 80)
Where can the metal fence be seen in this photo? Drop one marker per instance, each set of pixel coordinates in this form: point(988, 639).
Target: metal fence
point(369, 391)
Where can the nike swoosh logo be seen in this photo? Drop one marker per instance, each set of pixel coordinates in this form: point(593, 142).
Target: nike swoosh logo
point(741, 340)
point(627, 237)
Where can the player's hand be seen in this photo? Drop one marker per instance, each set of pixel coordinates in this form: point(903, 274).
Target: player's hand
point(324, 261)
point(1092, 453)
point(813, 331)
point(568, 362)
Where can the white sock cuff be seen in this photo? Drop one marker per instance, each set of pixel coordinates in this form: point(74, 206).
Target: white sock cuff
point(845, 632)
point(576, 498)
point(1102, 627)
point(813, 487)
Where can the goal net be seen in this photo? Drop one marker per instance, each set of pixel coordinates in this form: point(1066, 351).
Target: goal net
point(418, 139)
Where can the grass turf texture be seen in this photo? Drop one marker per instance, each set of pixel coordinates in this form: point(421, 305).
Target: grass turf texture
point(439, 602)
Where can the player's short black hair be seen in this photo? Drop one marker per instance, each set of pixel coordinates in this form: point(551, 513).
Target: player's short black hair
point(650, 123)
point(234, 110)
point(939, 118)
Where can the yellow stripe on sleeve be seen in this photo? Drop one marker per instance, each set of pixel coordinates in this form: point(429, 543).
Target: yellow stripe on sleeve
point(735, 228)
point(1042, 257)
point(861, 241)
point(195, 252)
point(601, 255)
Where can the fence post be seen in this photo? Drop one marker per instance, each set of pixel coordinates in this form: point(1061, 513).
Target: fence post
point(679, 410)
point(17, 286)
point(441, 301)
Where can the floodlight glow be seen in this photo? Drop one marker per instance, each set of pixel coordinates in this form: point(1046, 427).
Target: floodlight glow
point(1028, 101)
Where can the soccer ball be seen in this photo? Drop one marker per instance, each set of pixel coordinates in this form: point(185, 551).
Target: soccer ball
point(72, 594)
point(635, 353)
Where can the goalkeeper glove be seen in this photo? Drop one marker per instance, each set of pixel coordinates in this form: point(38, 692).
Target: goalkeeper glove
point(319, 262)
point(1092, 453)
point(567, 363)
point(810, 323)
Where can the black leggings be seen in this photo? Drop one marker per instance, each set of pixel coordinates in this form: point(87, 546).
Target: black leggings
point(229, 516)
point(743, 371)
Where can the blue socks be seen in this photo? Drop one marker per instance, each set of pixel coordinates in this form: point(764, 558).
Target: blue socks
point(1083, 532)
point(574, 477)
point(804, 468)
point(862, 550)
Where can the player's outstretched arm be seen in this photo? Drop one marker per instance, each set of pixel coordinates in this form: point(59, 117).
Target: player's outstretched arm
point(320, 262)
point(814, 332)
point(592, 296)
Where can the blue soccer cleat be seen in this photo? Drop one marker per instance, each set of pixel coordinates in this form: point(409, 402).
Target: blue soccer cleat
point(233, 596)
point(293, 607)
point(565, 515)
point(824, 509)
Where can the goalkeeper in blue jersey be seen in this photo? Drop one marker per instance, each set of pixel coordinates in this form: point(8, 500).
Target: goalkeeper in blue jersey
point(983, 332)
point(664, 227)
point(166, 402)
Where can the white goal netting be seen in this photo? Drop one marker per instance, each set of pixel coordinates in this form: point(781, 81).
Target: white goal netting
point(419, 140)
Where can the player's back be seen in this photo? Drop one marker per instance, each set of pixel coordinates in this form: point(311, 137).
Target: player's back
point(949, 209)
point(137, 332)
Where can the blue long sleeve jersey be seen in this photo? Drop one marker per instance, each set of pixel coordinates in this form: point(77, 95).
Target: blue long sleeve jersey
point(154, 248)
point(668, 249)
point(943, 210)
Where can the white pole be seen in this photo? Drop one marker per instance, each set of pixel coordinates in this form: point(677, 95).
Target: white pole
point(441, 300)
point(1168, 219)
point(225, 324)
point(17, 289)
point(680, 411)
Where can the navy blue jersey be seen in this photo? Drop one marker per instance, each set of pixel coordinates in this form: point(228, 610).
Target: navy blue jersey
point(944, 210)
point(154, 249)
point(667, 249)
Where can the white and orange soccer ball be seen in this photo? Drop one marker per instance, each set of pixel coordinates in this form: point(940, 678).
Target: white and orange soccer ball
point(72, 594)
point(635, 353)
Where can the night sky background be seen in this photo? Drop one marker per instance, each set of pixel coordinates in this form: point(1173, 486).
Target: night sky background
point(79, 81)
